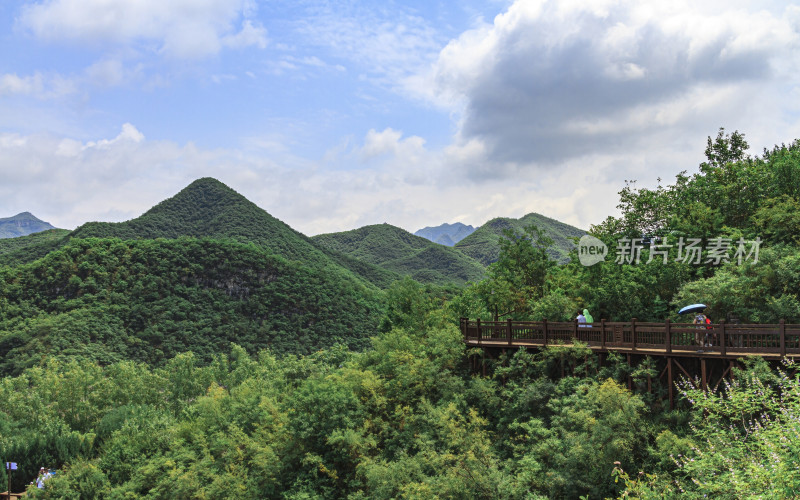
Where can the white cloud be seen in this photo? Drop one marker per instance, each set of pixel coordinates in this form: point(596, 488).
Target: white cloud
point(250, 35)
point(109, 72)
point(390, 142)
point(12, 84)
point(128, 133)
point(554, 104)
point(37, 85)
point(185, 29)
point(68, 182)
point(552, 80)
point(391, 47)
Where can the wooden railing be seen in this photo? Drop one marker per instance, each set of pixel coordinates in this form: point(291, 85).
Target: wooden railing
point(779, 339)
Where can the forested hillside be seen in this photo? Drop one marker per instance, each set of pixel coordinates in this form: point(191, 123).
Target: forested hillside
point(402, 419)
point(108, 300)
point(399, 251)
point(482, 244)
point(31, 247)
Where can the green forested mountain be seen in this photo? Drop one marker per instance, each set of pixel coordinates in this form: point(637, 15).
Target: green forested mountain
point(399, 251)
point(482, 244)
point(31, 247)
point(21, 225)
point(109, 300)
point(208, 208)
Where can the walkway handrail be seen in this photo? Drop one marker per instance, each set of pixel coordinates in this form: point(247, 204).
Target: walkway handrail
point(779, 339)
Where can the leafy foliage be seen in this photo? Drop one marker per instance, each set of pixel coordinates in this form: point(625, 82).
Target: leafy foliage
point(401, 419)
point(743, 441)
point(399, 251)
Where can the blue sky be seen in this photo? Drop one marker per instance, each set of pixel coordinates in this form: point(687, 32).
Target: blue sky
point(334, 115)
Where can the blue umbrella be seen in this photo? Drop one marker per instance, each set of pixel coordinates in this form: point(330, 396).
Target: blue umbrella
point(692, 308)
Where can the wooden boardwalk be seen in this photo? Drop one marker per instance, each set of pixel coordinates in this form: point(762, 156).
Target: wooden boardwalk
point(773, 341)
point(682, 347)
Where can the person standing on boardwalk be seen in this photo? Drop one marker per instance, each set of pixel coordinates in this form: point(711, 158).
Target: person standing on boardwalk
point(700, 321)
point(589, 318)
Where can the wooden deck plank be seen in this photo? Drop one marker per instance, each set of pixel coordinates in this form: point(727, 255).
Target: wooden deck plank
point(678, 351)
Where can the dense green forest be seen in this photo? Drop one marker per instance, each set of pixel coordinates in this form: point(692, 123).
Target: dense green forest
point(108, 300)
point(31, 247)
point(398, 250)
point(482, 244)
point(124, 373)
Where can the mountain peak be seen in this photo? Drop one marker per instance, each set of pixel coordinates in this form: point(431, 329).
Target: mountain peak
point(22, 224)
point(200, 200)
point(446, 234)
point(207, 208)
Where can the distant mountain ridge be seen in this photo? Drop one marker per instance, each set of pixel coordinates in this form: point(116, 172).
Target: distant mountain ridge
point(446, 234)
point(482, 244)
point(22, 224)
point(207, 208)
point(406, 254)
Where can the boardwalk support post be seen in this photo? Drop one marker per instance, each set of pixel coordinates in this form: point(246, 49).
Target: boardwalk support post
point(510, 336)
point(671, 384)
point(478, 323)
point(723, 342)
point(603, 333)
point(782, 331)
point(704, 374)
point(668, 337)
point(544, 329)
point(633, 332)
point(630, 379)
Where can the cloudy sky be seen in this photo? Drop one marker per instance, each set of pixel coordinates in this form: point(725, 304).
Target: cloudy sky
point(332, 115)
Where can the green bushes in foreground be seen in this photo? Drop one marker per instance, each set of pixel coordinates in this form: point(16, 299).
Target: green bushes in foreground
point(402, 419)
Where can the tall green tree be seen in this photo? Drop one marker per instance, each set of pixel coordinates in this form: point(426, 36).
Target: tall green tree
point(519, 277)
